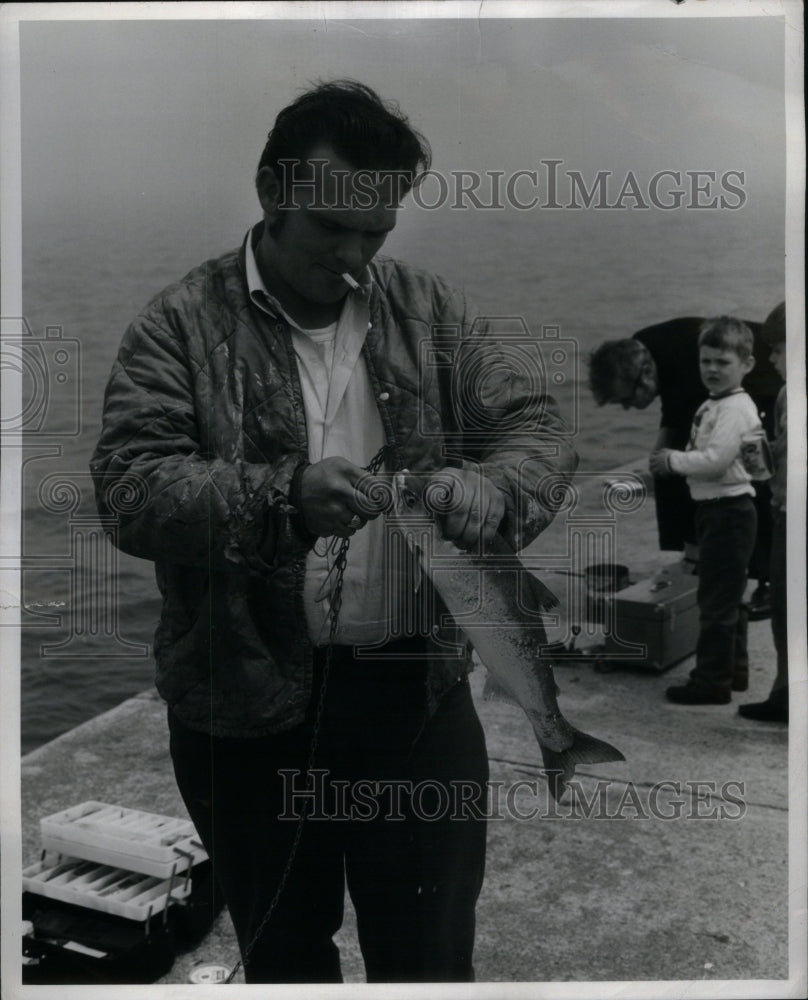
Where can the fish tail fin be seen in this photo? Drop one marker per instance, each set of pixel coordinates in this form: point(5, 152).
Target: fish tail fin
point(585, 749)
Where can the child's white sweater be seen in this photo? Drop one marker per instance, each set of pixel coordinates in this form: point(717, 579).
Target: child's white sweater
point(712, 462)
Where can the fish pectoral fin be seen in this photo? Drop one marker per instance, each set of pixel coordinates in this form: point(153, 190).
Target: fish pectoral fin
point(494, 691)
point(541, 595)
point(585, 749)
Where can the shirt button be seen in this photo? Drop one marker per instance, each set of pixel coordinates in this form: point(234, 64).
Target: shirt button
point(370, 326)
point(384, 396)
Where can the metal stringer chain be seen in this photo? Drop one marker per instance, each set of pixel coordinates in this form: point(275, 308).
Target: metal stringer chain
point(340, 562)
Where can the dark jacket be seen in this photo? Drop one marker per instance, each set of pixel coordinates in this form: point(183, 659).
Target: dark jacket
point(203, 428)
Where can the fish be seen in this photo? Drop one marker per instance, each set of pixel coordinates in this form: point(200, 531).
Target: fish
point(499, 607)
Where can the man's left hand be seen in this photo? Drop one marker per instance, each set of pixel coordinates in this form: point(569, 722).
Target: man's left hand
point(474, 507)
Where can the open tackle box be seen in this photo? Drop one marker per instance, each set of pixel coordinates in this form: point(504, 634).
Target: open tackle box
point(161, 846)
point(113, 893)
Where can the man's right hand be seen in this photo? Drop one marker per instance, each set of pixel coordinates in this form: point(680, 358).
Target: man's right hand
point(659, 463)
point(329, 500)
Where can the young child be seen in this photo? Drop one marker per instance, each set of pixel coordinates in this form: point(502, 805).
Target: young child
point(775, 707)
point(726, 520)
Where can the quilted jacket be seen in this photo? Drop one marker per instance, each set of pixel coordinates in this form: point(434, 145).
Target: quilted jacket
point(203, 428)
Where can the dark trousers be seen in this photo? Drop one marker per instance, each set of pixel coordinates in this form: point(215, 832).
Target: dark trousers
point(413, 863)
point(726, 536)
point(778, 603)
point(760, 562)
point(675, 512)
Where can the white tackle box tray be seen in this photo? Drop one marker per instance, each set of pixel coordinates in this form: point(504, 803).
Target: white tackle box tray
point(117, 891)
point(140, 841)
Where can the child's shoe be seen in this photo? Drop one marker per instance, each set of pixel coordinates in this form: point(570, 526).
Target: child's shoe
point(759, 606)
point(695, 694)
point(770, 710)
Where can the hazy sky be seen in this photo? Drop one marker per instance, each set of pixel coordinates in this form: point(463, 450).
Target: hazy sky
point(153, 113)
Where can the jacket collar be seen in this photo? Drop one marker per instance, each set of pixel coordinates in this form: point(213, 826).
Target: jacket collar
point(258, 292)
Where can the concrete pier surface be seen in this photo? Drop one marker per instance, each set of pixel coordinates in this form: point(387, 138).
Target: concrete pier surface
point(672, 865)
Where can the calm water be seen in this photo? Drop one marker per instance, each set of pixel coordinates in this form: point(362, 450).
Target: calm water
point(594, 275)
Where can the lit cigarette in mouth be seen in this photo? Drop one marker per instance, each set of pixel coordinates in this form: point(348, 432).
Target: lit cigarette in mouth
point(353, 285)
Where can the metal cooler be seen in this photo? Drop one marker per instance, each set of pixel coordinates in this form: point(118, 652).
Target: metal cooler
point(654, 623)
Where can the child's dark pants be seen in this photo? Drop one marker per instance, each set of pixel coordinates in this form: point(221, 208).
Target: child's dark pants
point(726, 533)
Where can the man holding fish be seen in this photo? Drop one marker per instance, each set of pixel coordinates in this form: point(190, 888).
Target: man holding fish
point(247, 402)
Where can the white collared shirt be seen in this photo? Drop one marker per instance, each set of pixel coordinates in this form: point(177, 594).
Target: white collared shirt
point(342, 419)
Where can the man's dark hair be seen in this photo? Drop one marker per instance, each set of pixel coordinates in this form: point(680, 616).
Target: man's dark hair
point(367, 132)
point(774, 328)
point(611, 360)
